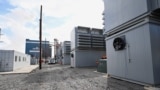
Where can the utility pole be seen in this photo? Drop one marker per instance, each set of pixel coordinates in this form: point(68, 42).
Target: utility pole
point(45, 52)
point(40, 39)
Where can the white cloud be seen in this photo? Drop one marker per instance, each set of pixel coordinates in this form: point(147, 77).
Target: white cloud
point(23, 20)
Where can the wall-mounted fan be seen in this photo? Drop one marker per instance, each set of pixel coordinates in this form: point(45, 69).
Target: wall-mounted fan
point(119, 43)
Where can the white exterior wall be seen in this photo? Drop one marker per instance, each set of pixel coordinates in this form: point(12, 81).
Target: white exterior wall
point(8, 62)
point(23, 60)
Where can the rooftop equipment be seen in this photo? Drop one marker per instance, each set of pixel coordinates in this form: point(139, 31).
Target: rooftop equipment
point(87, 46)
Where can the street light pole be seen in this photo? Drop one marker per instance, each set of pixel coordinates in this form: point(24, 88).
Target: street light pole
point(40, 39)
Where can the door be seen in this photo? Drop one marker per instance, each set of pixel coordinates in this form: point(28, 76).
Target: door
point(138, 56)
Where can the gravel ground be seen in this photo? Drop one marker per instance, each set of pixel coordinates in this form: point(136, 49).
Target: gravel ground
point(58, 77)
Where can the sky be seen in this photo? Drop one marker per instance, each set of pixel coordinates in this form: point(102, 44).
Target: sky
point(19, 20)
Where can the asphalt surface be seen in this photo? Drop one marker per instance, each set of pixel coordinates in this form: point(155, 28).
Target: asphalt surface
point(58, 77)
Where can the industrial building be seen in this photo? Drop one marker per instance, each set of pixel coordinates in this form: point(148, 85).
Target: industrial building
point(57, 51)
point(66, 49)
point(11, 60)
point(87, 46)
point(32, 48)
point(132, 30)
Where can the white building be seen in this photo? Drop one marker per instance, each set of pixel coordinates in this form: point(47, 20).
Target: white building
point(11, 60)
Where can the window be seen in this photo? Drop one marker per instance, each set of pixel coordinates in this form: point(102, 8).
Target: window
point(15, 58)
point(19, 58)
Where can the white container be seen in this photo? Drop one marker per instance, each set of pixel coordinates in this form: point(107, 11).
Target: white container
point(11, 60)
point(139, 60)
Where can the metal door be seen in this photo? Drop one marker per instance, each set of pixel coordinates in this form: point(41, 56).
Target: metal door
point(138, 57)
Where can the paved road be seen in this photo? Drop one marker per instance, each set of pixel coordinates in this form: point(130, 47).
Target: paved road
point(58, 77)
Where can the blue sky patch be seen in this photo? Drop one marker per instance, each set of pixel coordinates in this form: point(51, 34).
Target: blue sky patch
point(5, 6)
point(53, 22)
point(30, 25)
point(7, 31)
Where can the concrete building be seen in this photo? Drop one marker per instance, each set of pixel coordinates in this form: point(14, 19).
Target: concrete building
point(32, 48)
point(132, 30)
point(66, 49)
point(11, 60)
point(87, 46)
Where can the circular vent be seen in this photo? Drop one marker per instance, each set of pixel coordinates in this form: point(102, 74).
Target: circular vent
point(119, 43)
